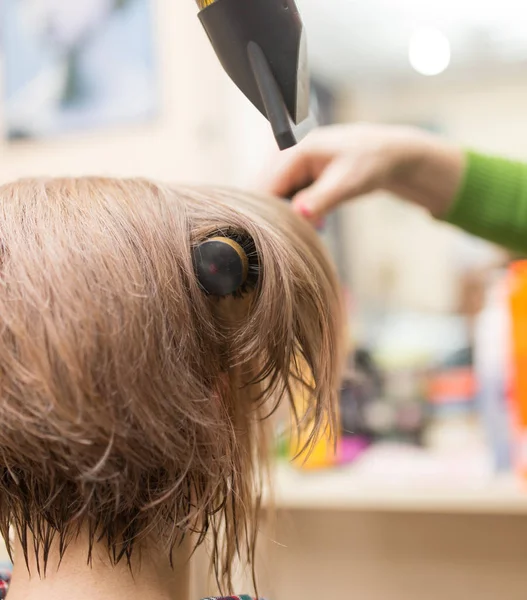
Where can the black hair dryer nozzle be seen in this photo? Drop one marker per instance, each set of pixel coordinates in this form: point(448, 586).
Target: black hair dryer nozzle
point(261, 45)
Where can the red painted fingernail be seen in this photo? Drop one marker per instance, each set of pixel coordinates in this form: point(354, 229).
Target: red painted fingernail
point(303, 210)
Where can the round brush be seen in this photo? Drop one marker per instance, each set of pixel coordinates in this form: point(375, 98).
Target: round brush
point(226, 265)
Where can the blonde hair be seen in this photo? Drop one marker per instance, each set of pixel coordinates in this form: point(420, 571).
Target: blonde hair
point(131, 403)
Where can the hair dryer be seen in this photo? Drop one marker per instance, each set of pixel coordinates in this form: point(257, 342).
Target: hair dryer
point(262, 47)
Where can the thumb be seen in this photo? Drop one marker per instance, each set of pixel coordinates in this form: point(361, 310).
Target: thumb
point(336, 184)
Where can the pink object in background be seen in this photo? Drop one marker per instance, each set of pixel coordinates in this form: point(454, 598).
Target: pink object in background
point(350, 448)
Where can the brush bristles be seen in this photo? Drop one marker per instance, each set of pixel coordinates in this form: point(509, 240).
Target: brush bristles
point(204, 3)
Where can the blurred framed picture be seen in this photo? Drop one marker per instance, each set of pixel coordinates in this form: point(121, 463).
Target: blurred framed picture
point(75, 65)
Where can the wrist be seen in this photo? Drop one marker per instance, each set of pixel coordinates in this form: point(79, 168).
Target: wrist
point(427, 171)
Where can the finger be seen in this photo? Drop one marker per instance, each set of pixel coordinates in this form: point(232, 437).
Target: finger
point(291, 172)
point(318, 222)
point(335, 185)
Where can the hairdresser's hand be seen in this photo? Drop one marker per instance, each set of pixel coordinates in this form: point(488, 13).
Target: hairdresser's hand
point(338, 163)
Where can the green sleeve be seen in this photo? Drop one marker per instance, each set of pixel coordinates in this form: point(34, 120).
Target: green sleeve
point(492, 201)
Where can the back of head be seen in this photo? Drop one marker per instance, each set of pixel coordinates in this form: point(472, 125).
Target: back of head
point(131, 402)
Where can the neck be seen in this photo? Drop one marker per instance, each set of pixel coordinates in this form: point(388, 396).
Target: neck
point(151, 576)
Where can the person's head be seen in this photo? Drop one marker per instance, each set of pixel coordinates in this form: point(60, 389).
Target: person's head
point(131, 402)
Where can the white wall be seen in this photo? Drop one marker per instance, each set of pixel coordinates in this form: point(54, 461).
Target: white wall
point(205, 132)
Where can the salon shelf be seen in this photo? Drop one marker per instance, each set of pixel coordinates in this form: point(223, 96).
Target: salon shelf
point(344, 489)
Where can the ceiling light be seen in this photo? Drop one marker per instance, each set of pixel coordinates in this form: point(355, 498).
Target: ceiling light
point(429, 51)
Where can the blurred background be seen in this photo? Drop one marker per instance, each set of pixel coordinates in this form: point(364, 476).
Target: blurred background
point(425, 498)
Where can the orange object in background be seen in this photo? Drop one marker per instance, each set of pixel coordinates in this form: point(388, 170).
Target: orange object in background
point(321, 456)
point(518, 395)
point(323, 453)
point(454, 385)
